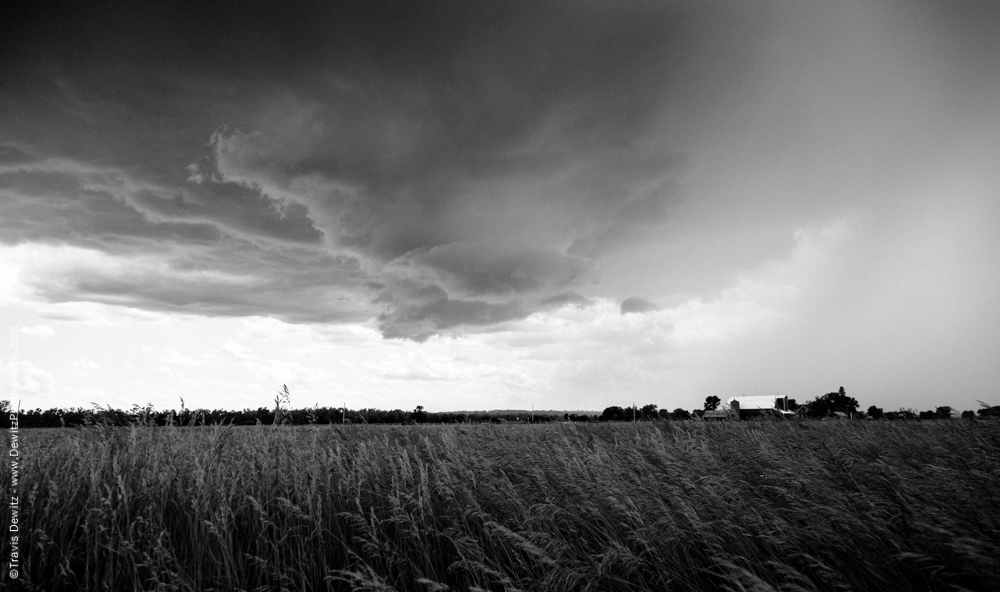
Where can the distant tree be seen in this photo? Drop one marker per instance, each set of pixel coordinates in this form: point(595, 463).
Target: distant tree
point(969, 414)
point(943, 412)
point(712, 403)
point(419, 415)
point(988, 411)
point(830, 402)
point(901, 414)
point(681, 414)
point(664, 414)
point(613, 413)
point(928, 415)
point(648, 412)
point(875, 412)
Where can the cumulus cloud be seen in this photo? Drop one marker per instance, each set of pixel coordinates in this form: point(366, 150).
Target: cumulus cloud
point(416, 366)
point(170, 374)
point(22, 378)
point(239, 351)
point(85, 365)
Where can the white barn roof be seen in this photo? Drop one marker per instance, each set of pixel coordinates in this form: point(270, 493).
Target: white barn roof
point(754, 402)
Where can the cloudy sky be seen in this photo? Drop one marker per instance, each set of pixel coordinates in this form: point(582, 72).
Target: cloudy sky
point(479, 205)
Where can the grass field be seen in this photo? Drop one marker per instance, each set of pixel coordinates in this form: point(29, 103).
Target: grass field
point(649, 506)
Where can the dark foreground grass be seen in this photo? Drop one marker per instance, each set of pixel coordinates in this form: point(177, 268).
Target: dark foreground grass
point(664, 506)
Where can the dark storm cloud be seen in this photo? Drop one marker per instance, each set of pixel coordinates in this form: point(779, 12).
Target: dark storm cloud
point(237, 209)
point(421, 321)
point(227, 252)
point(291, 283)
point(638, 305)
point(565, 298)
point(14, 155)
point(53, 206)
point(524, 116)
point(477, 270)
point(475, 158)
point(59, 200)
point(543, 133)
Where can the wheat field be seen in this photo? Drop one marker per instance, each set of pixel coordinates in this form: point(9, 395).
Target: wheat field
point(649, 506)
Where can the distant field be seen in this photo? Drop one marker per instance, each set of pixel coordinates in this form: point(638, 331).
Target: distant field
point(649, 506)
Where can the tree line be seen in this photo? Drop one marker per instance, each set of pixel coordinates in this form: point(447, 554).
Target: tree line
point(831, 403)
point(822, 406)
point(147, 415)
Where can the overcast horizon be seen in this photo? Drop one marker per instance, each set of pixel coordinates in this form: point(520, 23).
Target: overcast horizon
point(494, 205)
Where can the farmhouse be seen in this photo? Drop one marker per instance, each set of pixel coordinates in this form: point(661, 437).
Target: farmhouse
point(760, 406)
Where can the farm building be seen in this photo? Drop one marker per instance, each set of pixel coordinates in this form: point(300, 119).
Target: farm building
point(717, 414)
point(760, 406)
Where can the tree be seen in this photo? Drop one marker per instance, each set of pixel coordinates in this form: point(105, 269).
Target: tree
point(901, 414)
point(681, 414)
point(648, 412)
point(988, 411)
point(830, 402)
point(944, 412)
point(875, 412)
point(712, 403)
point(419, 415)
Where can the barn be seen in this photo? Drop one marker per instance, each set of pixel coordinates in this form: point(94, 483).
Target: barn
point(760, 406)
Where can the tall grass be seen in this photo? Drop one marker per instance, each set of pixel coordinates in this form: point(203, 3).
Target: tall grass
point(662, 506)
